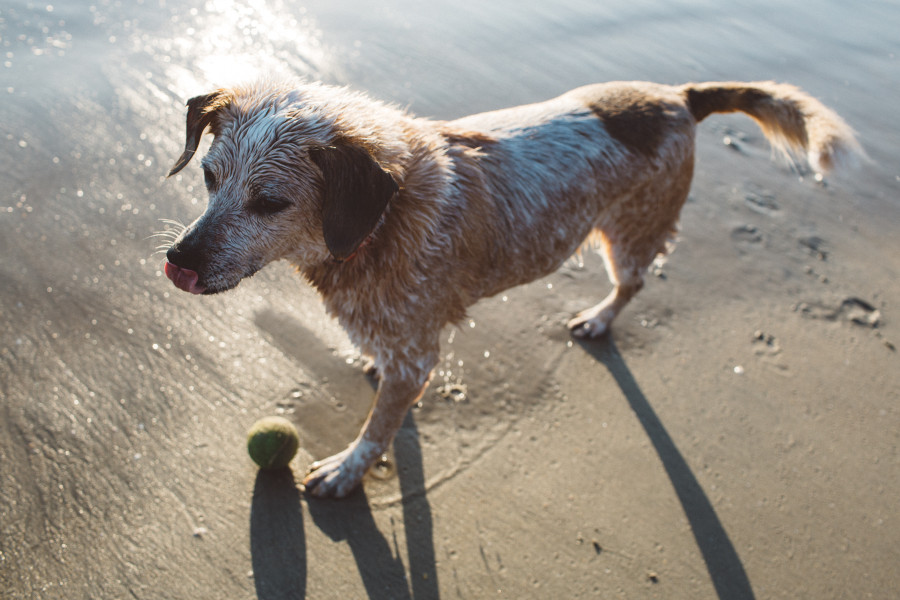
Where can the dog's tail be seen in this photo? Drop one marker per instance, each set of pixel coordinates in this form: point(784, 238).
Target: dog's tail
point(794, 122)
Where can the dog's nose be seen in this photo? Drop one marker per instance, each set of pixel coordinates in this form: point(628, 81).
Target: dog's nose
point(173, 255)
point(186, 255)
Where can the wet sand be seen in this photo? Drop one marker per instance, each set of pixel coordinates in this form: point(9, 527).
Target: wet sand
point(735, 437)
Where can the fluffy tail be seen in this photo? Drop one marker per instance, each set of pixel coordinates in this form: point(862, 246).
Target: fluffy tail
point(794, 122)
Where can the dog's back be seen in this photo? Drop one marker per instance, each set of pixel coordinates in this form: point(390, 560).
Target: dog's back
point(551, 173)
point(612, 164)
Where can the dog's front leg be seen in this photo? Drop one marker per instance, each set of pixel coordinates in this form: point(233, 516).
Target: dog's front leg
point(400, 387)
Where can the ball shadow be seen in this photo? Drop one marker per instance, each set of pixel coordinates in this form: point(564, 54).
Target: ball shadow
point(277, 540)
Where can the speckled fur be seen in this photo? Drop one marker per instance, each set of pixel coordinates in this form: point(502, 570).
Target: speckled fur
point(485, 202)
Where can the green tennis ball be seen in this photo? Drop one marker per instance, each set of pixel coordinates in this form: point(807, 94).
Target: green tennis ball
point(272, 442)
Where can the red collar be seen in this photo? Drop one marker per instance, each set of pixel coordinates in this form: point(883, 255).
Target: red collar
point(364, 243)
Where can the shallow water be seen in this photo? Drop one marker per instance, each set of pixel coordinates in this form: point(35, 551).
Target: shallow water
point(124, 402)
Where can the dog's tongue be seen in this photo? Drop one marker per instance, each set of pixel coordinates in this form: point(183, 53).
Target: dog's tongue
point(184, 279)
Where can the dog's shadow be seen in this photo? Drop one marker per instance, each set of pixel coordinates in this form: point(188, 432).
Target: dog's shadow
point(722, 561)
point(380, 561)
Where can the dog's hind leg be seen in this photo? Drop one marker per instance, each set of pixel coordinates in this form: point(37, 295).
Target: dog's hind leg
point(626, 272)
point(631, 235)
point(626, 254)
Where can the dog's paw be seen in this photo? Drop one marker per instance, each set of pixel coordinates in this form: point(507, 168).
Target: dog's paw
point(337, 476)
point(589, 326)
point(369, 368)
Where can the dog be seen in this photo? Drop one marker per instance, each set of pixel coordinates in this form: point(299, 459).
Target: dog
point(401, 223)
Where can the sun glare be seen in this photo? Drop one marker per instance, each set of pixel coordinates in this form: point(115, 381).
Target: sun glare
point(234, 41)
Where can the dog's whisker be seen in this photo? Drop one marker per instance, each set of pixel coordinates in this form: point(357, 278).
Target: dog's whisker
point(163, 235)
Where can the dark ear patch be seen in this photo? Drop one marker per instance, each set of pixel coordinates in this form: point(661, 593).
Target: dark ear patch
point(355, 192)
point(201, 112)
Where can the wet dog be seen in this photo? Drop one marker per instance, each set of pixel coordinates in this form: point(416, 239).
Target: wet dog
point(401, 223)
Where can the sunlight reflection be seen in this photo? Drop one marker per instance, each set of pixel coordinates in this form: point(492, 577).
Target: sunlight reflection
point(231, 41)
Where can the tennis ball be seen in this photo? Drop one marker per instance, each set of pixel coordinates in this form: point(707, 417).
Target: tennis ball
point(272, 442)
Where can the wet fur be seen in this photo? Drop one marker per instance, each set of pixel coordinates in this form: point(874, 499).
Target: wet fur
point(434, 215)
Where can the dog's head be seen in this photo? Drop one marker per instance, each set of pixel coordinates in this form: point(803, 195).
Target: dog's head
point(283, 182)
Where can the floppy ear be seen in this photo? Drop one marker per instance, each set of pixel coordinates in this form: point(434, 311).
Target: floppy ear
point(201, 112)
point(355, 192)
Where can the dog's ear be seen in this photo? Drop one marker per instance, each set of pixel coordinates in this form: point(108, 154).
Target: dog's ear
point(355, 192)
point(200, 114)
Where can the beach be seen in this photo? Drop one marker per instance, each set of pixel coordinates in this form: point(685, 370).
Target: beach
point(735, 436)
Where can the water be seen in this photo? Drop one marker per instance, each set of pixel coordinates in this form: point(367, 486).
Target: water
point(124, 402)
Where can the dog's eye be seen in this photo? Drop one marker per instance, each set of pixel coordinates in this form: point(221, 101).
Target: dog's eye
point(268, 205)
point(209, 178)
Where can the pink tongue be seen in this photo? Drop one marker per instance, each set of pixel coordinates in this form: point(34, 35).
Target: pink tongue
point(184, 279)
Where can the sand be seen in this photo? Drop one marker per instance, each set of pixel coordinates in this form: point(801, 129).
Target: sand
point(736, 436)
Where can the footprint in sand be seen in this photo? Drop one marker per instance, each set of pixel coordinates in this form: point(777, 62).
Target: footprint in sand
point(760, 199)
point(767, 348)
point(815, 245)
point(765, 344)
point(851, 309)
point(747, 235)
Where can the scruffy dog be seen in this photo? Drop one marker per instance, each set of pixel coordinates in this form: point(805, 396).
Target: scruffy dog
point(402, 223)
